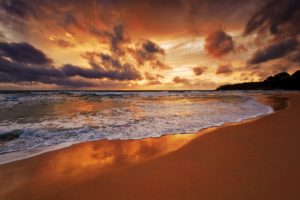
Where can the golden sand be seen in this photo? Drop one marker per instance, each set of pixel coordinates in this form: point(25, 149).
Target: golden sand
point(258, 159)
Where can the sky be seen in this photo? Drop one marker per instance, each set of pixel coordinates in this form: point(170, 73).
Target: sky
point(145, 44)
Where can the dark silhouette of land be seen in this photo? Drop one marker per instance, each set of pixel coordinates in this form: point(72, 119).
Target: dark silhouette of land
point(281, 81)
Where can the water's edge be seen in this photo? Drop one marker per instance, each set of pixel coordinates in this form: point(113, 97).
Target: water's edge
point(275, 102)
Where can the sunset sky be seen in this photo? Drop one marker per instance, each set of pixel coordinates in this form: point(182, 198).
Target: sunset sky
point(145, 44)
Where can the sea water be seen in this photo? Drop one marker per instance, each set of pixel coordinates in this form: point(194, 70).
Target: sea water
point(31, 120)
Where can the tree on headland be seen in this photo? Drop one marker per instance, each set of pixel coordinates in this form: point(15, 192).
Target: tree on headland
point(281, 81)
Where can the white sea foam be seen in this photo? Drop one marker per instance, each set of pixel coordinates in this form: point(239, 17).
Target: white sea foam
point(72, 117)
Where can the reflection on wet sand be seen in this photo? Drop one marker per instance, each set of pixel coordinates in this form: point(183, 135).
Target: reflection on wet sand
point(86, 160)
point(103, 156)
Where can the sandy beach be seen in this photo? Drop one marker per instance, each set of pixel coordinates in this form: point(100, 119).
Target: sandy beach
point(149, 100)
point(257, 159)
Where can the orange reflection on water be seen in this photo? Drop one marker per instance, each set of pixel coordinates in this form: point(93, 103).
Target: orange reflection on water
point(75, 106)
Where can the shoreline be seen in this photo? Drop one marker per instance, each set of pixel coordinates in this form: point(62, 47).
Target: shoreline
point(253, 159)
point(30, 153)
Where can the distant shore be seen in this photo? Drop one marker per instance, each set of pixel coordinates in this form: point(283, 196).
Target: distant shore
point(256, 159)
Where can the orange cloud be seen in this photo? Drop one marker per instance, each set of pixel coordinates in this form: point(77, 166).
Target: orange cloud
point(198, 71)
point(223, 69)
point(218, 43)
point(178, 79)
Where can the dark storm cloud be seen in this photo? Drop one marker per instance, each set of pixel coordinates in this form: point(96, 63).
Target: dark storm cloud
point(223, 69)
point(104, 66)
point(274, 51)
point(99, 33)
point(127, 72)
point(17, 66)
point(28, 72)
point(108, 60)
point(198, 71)
point(108, 66)
point(218, 43)
point(279, 17)
point(13, 72)
point(151, 47)
point(69, 20)
point(154, 16)
point(148, 16)
point(23, 53)
point(149, 52)
point(18, 8)
point(144, 52)
point(117, 37)
point(203, 15)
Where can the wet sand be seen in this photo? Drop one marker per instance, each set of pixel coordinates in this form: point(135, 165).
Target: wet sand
point(257, 159)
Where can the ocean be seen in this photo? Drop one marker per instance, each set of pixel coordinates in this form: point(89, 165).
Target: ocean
point(51, 119)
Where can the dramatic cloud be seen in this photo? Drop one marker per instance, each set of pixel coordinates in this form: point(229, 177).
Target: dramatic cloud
point(151, 47)
point(69, 20)
point(20, 62)
point(23, 53)
point(105, 66)
point(218, 43)
point(10, 73)
point(117, 37)
point(274, 51)
point(15, 7)
point(223, 69)
point(144, 52)
point(129, 42)
point(142, 16)
point(148, 51)
point(127, 72)
point(279, 17)
point(198, 71)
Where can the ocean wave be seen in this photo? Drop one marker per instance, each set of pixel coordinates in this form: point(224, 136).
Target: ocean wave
point(35, 120)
